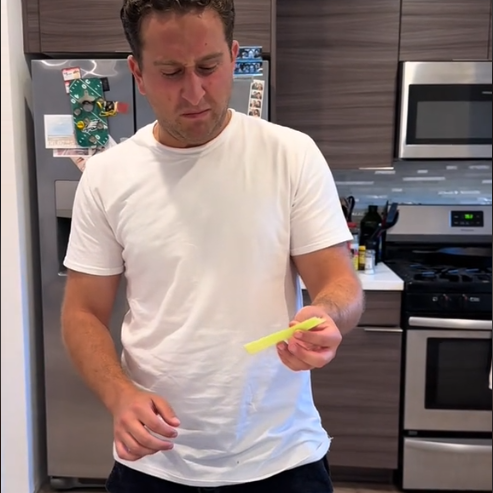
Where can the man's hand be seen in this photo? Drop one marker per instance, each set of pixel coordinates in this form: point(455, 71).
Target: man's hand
point(312, 349)
point(138, 418)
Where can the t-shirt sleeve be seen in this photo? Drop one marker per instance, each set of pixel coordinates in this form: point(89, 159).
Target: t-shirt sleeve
point(317, 219)
point(92, 246)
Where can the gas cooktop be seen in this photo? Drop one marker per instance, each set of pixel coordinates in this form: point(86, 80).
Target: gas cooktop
point(445, 290)
point(446, 278)
point(445, 264)
point(443, 274)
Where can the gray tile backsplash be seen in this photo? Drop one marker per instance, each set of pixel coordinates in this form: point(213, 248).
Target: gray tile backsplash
point(419, 182)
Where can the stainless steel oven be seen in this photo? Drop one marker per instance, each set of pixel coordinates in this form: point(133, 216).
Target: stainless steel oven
point(448, 405)
point(445, 260)
point(447, 384)
point(445, 110)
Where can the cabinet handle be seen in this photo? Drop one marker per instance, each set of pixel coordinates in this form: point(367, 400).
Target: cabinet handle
point(384, 330)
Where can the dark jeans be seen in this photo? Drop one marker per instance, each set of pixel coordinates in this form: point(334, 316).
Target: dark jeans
point(312, 478)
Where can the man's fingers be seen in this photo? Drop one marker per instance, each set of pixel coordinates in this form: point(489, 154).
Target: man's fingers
point(156, 424)
point(314, 359)
point(134, 447)
point(124, 453)
point(321, 338)
point(144, 438)
point(165, 411)
point(290, 360)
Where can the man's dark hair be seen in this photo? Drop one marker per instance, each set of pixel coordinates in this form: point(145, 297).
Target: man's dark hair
point(133, 13)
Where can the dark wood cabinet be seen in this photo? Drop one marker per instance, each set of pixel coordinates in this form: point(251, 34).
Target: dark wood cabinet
point(358, 393)
point(254, 23)
point(490, 34)
point(94, 26)
point(30, 26)
point(91, 26)
point(445, 29)
point(336, 76)
point(357, 396)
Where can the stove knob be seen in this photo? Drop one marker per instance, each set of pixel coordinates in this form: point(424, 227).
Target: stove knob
point(444, 301)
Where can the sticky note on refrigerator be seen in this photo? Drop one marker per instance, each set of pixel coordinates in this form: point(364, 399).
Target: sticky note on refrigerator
point(283, 335)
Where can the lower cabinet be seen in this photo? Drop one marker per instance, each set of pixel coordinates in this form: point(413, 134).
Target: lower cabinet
point(358, 394)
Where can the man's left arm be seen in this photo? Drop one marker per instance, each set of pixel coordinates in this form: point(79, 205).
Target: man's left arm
point(319, 238)
point(338, 299)
point(333, 285)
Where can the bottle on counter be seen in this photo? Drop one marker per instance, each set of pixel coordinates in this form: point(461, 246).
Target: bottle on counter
point(369, 224)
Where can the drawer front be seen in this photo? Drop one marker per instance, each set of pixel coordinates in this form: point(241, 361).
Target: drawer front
point(383, 308)
point(447, 464)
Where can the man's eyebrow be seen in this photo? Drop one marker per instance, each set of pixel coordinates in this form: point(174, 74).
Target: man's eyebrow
point(173, 63)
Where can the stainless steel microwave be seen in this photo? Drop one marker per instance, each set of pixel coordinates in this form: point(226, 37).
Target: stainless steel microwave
point(445, 110)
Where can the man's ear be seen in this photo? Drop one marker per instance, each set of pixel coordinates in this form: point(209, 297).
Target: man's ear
point(135, 67)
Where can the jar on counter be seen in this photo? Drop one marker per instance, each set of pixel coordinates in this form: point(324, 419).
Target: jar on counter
point(371, 256)
point(354, 245)
point(354, 249)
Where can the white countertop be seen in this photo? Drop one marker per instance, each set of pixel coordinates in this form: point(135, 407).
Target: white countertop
point(384, 279)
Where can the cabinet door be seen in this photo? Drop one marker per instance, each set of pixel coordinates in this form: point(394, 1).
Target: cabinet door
point(336, 76)
point(357, 396)
point(30, 26)
point(89, 26)
point(253, 23)
point(490, 34)
point(93, 26)
point(445, 29)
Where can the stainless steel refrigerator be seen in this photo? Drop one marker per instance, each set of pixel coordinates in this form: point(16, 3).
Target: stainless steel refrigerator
point(79, 430)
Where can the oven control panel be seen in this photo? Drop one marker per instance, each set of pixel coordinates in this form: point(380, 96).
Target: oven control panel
point(473, 304)
point(467, 219)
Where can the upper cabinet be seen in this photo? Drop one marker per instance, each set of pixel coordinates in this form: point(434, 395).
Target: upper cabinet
point(490, 48)
point(93, 26)
point(337, 65)
point(254, 23)
point(445, 30)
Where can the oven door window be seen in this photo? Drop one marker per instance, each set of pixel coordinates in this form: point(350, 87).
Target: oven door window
point(457, 374)
point(450, 115)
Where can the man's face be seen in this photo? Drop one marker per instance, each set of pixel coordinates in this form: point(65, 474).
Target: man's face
point(187, 75)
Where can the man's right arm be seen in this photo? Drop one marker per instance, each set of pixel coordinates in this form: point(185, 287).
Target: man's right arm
point(86, 315)
point(95, 264)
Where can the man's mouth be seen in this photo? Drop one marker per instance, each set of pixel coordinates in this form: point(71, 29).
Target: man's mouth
point(195, 114)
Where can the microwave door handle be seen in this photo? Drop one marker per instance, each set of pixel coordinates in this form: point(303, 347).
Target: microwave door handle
point(450, 323)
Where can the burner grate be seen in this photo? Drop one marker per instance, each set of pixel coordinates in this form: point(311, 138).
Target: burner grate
point(421, 273)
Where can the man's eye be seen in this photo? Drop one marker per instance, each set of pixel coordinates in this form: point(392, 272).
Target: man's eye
point(171, 74)
point(208, 70)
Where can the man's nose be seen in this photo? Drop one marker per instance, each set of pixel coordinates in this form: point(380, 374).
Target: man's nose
point(193, 92)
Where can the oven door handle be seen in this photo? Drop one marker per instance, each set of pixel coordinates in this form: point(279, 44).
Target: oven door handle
point(432, 446)
point(383, 330)
point(451, 323)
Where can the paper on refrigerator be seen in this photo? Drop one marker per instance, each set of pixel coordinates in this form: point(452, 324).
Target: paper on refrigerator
point(80, 155)
point(59, 132)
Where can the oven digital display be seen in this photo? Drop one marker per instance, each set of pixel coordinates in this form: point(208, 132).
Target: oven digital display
point(461, 219)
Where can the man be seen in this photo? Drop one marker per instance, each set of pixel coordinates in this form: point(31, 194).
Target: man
point(210, 215)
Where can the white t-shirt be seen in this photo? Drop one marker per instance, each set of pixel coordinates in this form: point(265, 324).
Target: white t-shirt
point(205, 238)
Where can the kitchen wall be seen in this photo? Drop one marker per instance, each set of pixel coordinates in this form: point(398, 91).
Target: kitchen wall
point(22, 467)
point(426, 182)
